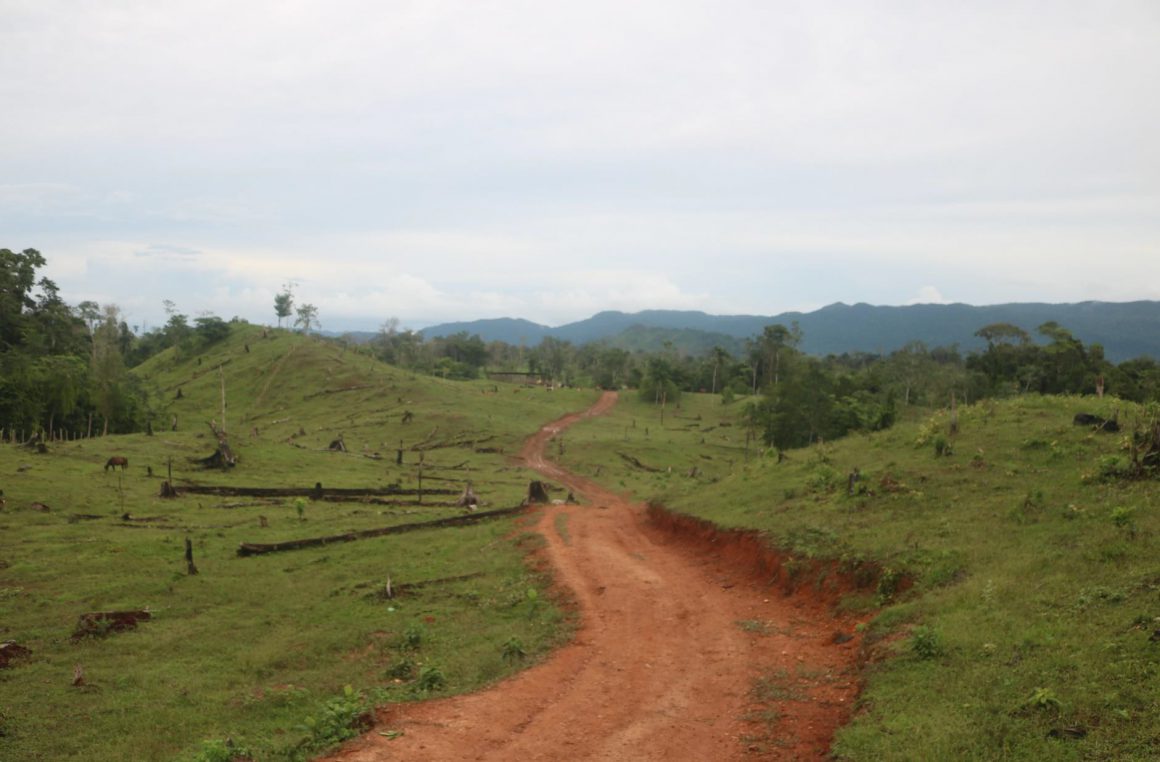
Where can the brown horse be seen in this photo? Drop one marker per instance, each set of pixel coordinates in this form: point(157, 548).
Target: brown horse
point(116, 460)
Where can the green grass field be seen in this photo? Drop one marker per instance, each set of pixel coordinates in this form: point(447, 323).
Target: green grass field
point(1016, 616)
point(1028, 632)
point(257, 649)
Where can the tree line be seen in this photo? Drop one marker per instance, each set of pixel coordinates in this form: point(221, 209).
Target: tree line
point(65, 368)
point(792, 399)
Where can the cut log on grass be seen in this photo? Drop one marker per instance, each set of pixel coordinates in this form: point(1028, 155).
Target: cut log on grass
point(1097, 423)
point(316, 492)
point(630, 459)
point(257, 549)
point(100, 623)
point(337, 445)
point(390, 591)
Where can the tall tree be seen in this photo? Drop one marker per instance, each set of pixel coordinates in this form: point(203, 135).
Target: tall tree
point(108, 366)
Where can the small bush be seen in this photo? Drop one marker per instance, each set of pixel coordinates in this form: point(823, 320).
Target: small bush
point(412, 638)
point(926, 643)
point(888, 584)
point(403, 669)
point(341, 717)
point(1042, 699)
point(216, 750)
point(513, 650)
point(431, 679)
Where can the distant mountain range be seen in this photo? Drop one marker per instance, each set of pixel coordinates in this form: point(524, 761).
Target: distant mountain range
point(1125, 329)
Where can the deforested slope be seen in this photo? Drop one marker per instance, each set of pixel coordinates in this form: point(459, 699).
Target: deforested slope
point(258, 649)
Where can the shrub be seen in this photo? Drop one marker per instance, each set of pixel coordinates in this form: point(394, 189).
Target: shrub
point(342, 717)
point(926, 643)
point(513, 650)
point(431, 679)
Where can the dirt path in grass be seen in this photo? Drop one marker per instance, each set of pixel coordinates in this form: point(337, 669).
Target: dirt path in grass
point(678, 655)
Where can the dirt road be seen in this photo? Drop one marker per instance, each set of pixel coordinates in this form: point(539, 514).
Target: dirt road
point(678, 656)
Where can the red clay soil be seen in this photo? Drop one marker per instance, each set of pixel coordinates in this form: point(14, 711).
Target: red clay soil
point(683, 653)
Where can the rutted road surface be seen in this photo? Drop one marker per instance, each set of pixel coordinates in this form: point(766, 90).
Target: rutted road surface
point(661, 668)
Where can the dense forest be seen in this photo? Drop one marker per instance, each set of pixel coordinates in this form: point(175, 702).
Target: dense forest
point(68, 368)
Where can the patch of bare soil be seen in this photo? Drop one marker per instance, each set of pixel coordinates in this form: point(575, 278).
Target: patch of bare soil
point(683, 653)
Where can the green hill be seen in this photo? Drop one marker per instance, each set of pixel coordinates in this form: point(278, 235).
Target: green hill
point(259, 648)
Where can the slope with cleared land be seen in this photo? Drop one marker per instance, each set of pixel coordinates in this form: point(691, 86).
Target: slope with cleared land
point(253, 648)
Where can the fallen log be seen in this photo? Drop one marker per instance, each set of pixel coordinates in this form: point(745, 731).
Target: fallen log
point(324, 494)
point(336, 391)
point(628, 458)
point(465, 440)
point(391, 591)
point(100, 623)
point(1110, 425)
point(246, 549)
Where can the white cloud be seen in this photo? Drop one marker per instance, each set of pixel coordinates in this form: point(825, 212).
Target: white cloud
point(929, 295)
point(438, 160)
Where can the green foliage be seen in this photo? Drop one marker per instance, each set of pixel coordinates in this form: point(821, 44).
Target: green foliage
point(926, 643)
point(339, 718)
point(222, 751)
point(403, 668)
point(211, 329)
point(513, 650)
point(284, 304)
point(431, 678)
point(1043, 699)
point(412, 637)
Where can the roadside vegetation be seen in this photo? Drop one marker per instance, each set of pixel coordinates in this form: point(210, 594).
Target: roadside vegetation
point(1017, 614)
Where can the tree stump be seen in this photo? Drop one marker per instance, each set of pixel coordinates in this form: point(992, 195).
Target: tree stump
point(191, 569)
point(468, 499)
point(537, 493)
point(168, 490)
point(9, 651)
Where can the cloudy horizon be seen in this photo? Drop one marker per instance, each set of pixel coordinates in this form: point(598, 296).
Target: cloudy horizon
point(441, 161)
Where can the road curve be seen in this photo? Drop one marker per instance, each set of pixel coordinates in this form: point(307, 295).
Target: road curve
point(664, 663)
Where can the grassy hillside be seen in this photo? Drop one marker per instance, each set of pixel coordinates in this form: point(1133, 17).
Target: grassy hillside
point(260, 649)
point(1031, 628)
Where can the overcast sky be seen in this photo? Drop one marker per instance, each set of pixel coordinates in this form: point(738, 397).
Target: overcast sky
point(438, 161)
